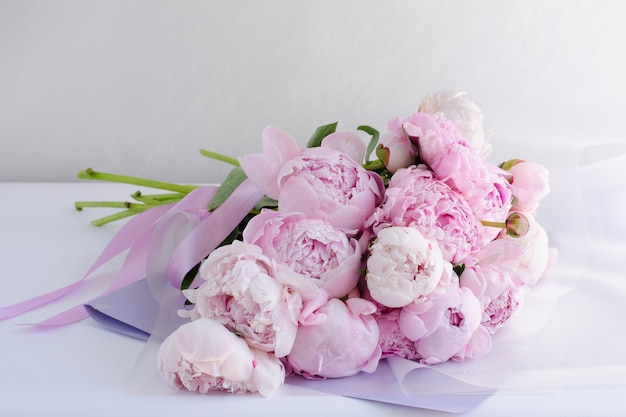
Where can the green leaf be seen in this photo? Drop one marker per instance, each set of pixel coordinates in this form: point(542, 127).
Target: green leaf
point(232, 181)
point(509, 164)
point(189, 277)
point(320, 133)
point(266, 202)
point(383, 154)
point(232, 236)
point(373, 141)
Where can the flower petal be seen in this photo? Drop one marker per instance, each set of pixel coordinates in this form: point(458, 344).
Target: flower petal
point(347, 143)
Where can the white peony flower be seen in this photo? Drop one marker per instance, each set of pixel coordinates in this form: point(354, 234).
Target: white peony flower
point(402, 266)
point(204, 356)
point(536, 256)
point(465, 115)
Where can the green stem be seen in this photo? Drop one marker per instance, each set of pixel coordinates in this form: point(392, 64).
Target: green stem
point(90, 174)
point(157, 199)
point(109, 204)
point(118, 216)
point(220, 157)
point(501, 225)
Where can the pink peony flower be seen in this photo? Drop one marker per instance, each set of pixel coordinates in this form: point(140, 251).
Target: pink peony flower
point(502, 308)
point(444, 150)
point(324, 183)
point(536, 255)
point(402, 266)
point(447, 327)
point(244, 291)
point(203, 356)
point(391, 340)
point(343, 344)
point(496, 282)
point(466, 116)
point(400, 150)
point(529, 184)
point(263, 168)
point(347, 143)
point(444, 325)
point(311, 247)
point(500, 291)
point(415, 198)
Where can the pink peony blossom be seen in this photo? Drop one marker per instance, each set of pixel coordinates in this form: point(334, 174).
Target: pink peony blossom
point(536, 255)
point(415, 198)
point(311, 247)
point(347, 143)
point(402, 266)
point(203, 356)
point(243, 290)
point(444, 325)
point(263, 168)
point(400, 150)
point(466, 116)
point(391, 340)
point(447, 327)
point(324, 183)
point(483, 185)
point(496, 282)
point(502, 308)
point(343, 344)
point(500, 291)
point(529, 184)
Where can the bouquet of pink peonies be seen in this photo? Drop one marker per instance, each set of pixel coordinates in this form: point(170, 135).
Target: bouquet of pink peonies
point(322, 260)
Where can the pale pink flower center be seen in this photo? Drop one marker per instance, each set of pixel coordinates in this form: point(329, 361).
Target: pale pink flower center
point(455, 317)
point(191, 378)
point(310, 251)
point(339, 181)
point(498, 312)
point(414, 267)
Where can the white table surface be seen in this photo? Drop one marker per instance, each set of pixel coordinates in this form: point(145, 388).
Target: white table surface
point(85, 370)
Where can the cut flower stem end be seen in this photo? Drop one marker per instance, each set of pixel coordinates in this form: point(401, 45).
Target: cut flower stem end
point(90, 174)
point(144, 202)
point(220, 157)
point(117, 216)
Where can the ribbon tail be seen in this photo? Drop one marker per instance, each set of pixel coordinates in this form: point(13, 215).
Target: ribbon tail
point(32, 303)
point(73, 315)
point(128, 234)
point(133, 269)
point(136, 235)
point(123, 239)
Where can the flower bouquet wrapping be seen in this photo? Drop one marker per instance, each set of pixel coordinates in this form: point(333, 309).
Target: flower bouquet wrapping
point(322, 260)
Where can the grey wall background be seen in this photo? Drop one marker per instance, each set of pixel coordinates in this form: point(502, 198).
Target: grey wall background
point(137, 87)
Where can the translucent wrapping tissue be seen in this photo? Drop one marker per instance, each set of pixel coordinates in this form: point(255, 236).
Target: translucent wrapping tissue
point(569, 333)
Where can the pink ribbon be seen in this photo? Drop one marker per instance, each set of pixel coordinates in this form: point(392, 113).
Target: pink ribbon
point(124, 239)
point(201, 233)
point(132, 270)
point(204, 238)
